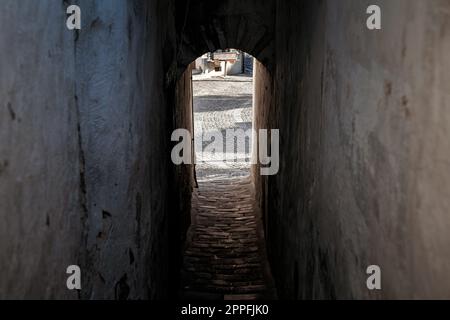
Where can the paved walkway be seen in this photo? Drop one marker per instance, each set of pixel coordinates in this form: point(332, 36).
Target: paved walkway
point(225, 255)
point(222, 104)
point(225, 258)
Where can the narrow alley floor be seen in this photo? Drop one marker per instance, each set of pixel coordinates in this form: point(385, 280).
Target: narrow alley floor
point(225, 256)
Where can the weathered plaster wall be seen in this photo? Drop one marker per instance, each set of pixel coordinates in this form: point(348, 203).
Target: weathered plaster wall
point(125, 131)
point(85, 165)
point(364, 176)
point(40, 213)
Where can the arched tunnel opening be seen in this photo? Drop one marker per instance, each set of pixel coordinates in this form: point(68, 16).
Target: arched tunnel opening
point(225, 255)
point(223, 114)
point(348, 197)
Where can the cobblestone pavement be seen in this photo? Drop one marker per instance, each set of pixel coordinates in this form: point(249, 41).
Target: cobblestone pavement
point(221, 104)
point(225, 254)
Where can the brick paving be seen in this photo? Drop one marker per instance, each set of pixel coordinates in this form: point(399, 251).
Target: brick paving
point(226, 254)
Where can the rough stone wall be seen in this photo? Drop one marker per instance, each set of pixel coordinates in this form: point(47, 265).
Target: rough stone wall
point(85, 165)
point(364, 176)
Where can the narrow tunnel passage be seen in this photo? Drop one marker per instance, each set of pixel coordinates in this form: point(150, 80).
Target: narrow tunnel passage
point(363, 177)
point(225, 256)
